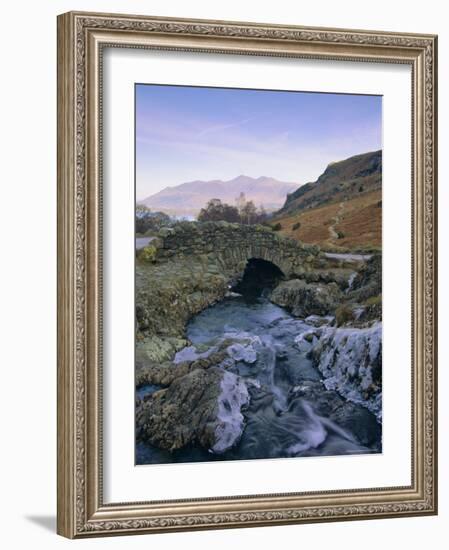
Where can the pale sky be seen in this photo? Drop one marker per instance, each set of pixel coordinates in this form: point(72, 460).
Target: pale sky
point(190, 133)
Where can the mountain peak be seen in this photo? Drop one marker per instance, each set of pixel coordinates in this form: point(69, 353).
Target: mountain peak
point(242, 178)
point(190, 197)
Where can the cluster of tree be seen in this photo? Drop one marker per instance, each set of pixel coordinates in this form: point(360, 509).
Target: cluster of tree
point(244, 212)
point(216, 210)
point(146, 220)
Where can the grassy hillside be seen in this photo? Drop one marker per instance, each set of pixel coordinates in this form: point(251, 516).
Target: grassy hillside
point(342, 209)
point(341, 180)
point(354, 224)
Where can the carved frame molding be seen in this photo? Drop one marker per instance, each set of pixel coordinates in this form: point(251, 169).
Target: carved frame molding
point(81, 39)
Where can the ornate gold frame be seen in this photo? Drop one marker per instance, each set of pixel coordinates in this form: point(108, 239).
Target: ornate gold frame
point(81, 37)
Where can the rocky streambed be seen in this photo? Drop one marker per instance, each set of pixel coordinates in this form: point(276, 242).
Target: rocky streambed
point(249, 345)
point(292, 368)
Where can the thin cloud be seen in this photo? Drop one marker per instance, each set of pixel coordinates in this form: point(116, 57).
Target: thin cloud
point(220, 127)
point(184, 136)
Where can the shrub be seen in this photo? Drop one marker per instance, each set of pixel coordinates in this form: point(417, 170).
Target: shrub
point(150, 222)
point(343, 314)
point(340, 235)
point(276, 227)
point(374, 300)
point(147, 254)
point(296, 226)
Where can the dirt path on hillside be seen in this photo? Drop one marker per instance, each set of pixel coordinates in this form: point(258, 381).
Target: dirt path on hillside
point(333, 235)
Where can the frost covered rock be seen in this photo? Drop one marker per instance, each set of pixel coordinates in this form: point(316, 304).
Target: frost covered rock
point(187, 360)
point(350, 360)
point(191, 353)
point(241, 352)
point(203, 407)
point(306, 340)
point(317, 321)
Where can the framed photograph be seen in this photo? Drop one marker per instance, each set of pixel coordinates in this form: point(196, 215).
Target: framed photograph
point(246, 274)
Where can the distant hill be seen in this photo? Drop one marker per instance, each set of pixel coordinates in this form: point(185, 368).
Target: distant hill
point(188, 198)
point(341, 209)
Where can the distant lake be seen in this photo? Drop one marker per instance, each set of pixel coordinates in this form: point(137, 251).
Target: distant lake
point(141, 242)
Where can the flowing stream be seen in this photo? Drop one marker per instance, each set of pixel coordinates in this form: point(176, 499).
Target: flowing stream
point(290, 412)
point(348, 257)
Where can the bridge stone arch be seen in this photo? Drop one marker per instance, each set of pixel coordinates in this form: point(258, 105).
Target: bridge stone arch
point(192, 265)
point(231, 245)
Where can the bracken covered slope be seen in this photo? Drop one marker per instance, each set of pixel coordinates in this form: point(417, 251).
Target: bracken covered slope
point(342, 209)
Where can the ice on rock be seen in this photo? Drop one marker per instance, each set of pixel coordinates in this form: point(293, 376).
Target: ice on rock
point(350, 360)
point(241, 352)
point(230, 422)
point(319, 320)
point(191, 353)
point(306, 340)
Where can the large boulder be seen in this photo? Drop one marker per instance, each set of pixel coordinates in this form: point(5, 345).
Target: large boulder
point(163, 374)
point(303, 299)
point(155, 349)
point(341, 276)
point(203, 407)
point(368, 281)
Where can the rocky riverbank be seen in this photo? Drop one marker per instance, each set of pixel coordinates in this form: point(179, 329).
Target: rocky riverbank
point(205, 395)
point(350, 361)
point(202, 407)
point(348, 349)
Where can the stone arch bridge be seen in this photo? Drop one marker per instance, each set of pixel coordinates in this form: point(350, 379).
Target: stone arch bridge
point(190, 266)
point(231, 245)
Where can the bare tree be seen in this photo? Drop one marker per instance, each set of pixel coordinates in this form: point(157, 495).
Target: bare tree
point(240, 202)
point(249, 213)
